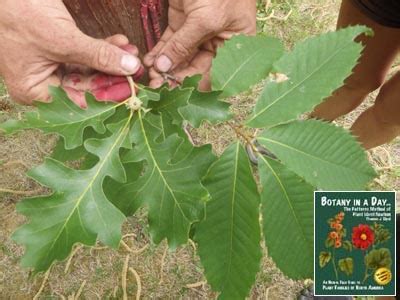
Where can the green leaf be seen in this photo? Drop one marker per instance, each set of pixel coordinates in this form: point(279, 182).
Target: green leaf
point(229, 237)
point(170, 102)
point(324, 258)
point(63, 155)
point(171, 188)
point(378, 258)
point(203, 106)
point(346, 265)
point(243, 62)
point(348, 245)
point(315, 69)
point(121, 194)
point(325, 155)
point(65, 118)
point(77, 211)
point(287, 209)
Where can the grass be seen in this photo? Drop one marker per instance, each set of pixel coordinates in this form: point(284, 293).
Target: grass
point(163, 274)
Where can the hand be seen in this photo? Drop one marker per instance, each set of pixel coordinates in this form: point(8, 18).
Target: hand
point(195, 30)
point(38, 35)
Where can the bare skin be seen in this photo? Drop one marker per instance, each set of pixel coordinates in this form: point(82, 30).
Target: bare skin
point(37, 37)
point(195, 30)
point(381, 123)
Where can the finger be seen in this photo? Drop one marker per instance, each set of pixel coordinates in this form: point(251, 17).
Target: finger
point(118, 40)
point(116, 93)
point(156, 83)
point(77, 96)
point(27, 95)
point(93, 82)
point(85, 70)
point(182, 45)
point(150, 57)
point(100, 55)
point(201, 64)
point(131, 49)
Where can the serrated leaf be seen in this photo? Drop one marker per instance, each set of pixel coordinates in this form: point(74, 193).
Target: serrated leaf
point(287, 209)
point(77, 211)
point(65, 118)
point(348, 245)
point(315, 69)
point(324, 258)
point(243, 62)
point(170, 188)
point(326, 156)
point(229, 237)
point(346, 265)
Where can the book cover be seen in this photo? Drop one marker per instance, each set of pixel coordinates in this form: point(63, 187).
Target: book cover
point(355, 243)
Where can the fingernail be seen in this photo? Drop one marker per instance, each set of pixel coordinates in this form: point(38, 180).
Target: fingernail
point(164, 63)
point(130, 64)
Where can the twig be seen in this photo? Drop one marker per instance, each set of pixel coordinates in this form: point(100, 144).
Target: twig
point(128, 235)
point(70, 258)
point(23, 193)
point(62, 297)
point(379, 182)
point(45, 279)
point(14, 162)
point(132, 86)
point(267, 291)
point(272, 14)
point(138, 282)
point(78, 294)
point(196, 285)
point(239, 134)
point(129, 249)
point(115, 292)
point(162, 264)
point(123, 277)
point(193, 245)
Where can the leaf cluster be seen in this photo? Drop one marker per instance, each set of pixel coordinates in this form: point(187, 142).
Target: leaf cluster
point(143, 158)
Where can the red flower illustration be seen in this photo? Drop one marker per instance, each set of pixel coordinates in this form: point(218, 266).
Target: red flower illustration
point(362, 236)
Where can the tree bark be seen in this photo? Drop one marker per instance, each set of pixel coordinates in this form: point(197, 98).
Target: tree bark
point(103, 18)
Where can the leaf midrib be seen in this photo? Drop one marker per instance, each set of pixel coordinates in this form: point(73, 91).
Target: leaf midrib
point(233, 199)
point(158, 168)
point(77, 121)
point(286, 196)
point(307, 154)
point(94, 178)
point(239, 69)
point(290, 90)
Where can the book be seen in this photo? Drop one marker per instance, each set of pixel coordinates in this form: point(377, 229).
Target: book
point(355, 243)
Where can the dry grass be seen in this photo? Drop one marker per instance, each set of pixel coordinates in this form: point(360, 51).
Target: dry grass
point(100, 272)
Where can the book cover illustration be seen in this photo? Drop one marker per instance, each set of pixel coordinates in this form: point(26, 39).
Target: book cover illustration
point(355, 243)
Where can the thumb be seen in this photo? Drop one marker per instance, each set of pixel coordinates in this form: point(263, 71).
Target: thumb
point(181, 45)
point(102, 56)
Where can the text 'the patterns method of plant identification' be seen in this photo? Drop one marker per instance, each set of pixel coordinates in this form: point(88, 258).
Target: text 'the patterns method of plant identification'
point(138, 155)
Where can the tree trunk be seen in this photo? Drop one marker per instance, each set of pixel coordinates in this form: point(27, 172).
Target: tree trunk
point(103, 18)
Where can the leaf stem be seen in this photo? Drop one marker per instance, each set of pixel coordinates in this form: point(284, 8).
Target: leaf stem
point(133, 87)
point(334, 265)
point(240, 134)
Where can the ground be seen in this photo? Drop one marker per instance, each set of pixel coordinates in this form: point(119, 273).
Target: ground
point(96, 273)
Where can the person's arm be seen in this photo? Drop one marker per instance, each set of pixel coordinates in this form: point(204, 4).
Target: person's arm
point(38, 35)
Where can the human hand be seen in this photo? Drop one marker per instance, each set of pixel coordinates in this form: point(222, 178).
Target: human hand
point(37, 36)
point(195, 30)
